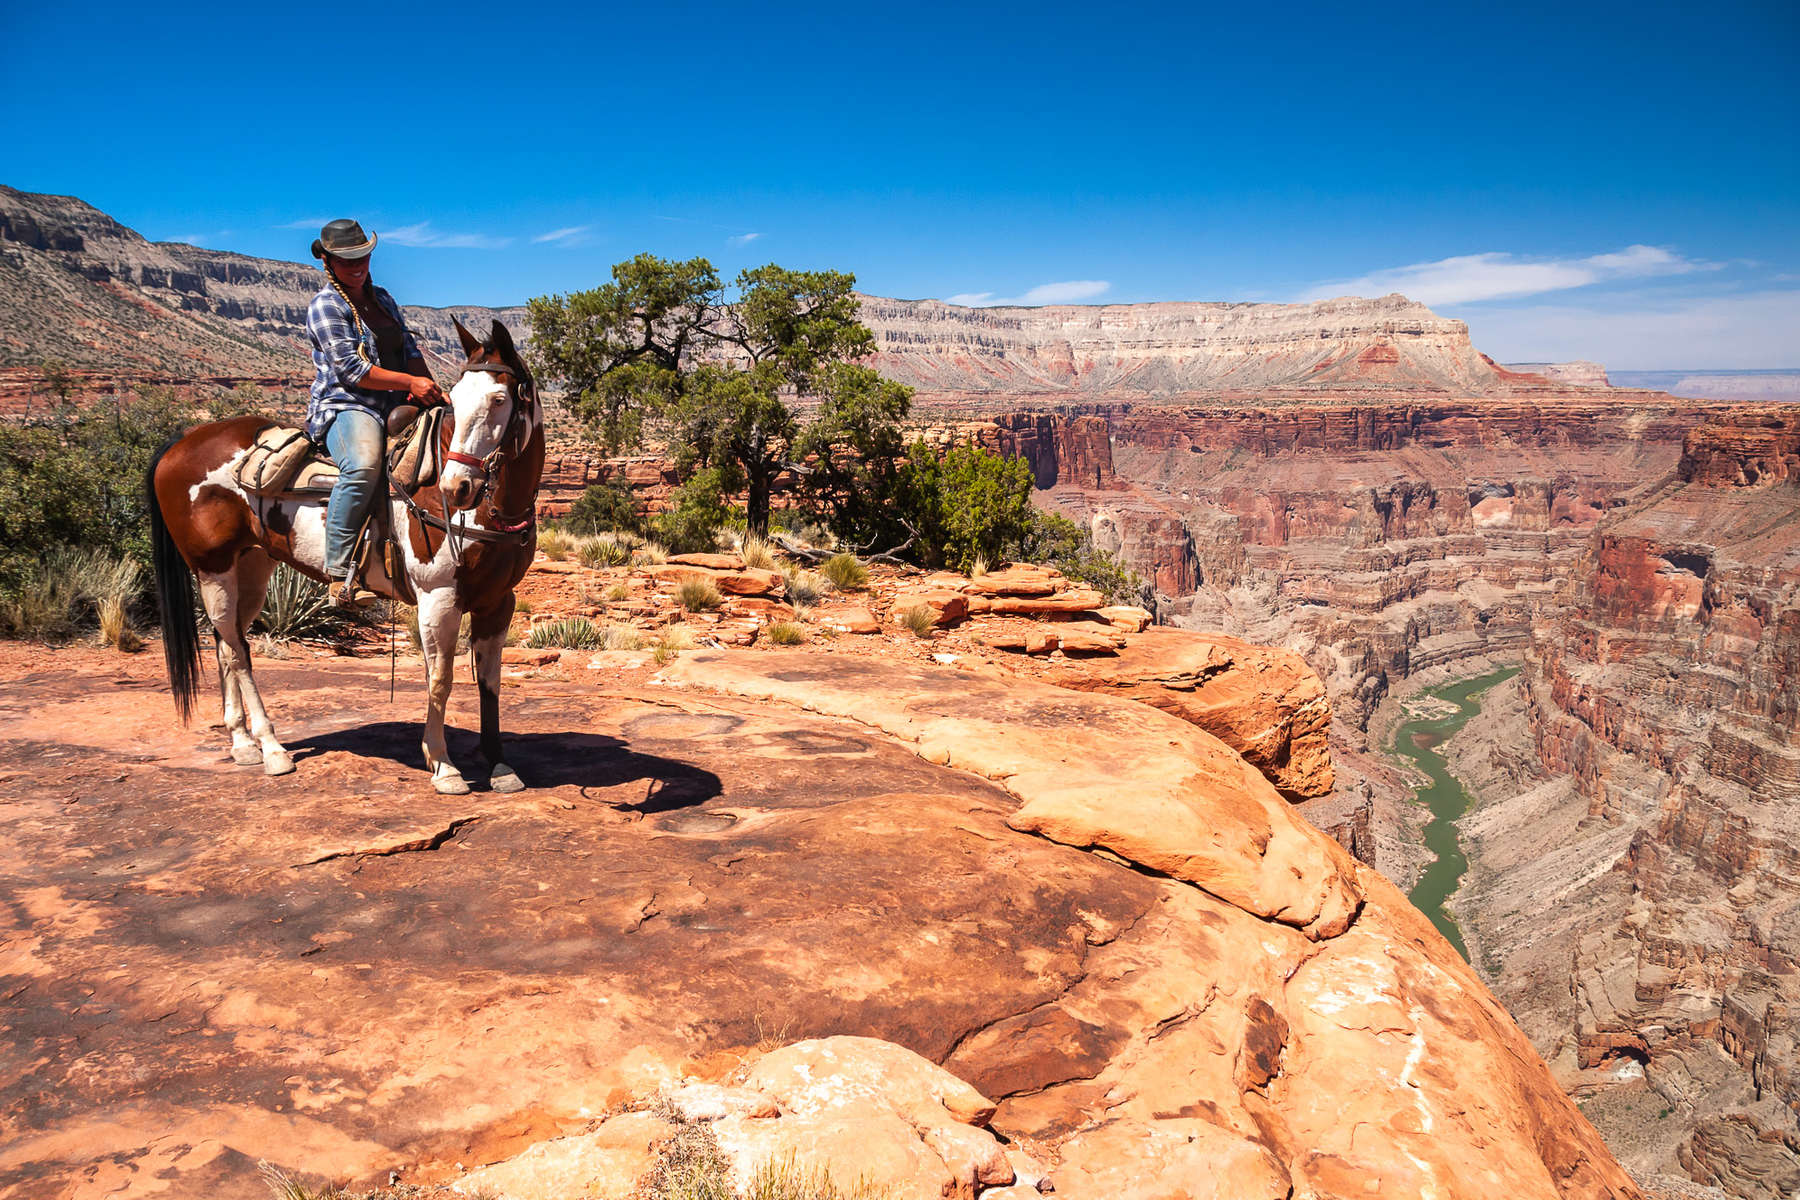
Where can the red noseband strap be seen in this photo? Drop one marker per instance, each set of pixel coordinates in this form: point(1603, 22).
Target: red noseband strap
point(466, 460)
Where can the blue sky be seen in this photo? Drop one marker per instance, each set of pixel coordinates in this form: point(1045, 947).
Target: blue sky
point(1619, 182)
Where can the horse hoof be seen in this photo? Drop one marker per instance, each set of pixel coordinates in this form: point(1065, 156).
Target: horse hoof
point(504, 779)
point(277, 764)
point(451, 785)
point(246, 756)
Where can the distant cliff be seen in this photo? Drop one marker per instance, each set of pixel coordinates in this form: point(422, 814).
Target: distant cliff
point(1579, 373)
point(79, 286)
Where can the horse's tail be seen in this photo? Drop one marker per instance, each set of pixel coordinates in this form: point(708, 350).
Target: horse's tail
point(174, 601)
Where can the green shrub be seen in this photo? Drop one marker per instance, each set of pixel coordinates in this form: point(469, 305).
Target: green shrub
point(692, 523)
point(1055, 541)
point(698, 595)
point(785, 633)
point(604, 508)
point(845, 571)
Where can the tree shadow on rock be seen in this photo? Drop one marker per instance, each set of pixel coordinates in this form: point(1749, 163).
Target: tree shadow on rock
point(590, 762)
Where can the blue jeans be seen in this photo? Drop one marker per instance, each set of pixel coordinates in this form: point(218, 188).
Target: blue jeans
point(355, 439)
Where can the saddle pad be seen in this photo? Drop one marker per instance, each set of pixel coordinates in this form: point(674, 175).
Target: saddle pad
point(284, 459)
point(413, 452)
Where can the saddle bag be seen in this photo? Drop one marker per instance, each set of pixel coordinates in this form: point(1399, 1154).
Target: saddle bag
point(413, 453)
point(274, 462)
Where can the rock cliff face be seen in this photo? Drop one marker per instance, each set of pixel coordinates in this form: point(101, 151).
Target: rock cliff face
point(1666, 689)
point(1638, 553)
point(1573, 374)
point(1169, 348)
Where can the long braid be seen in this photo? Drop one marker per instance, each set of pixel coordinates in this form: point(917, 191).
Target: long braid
point(362, 351)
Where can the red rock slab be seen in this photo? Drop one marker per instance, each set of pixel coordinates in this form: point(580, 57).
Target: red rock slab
point(1016, 581)
point(1263, 702)
point(1192, 809)
point(1060, 604)
point(848, 620)
point(712, 562)
point(345, 973)
point(750, 581)
point(947, 607)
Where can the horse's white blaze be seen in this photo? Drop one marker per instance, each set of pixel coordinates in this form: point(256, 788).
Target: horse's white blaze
point(481, 405)
point(224, 477)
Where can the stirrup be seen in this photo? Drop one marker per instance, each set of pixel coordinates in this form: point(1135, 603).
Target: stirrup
point(344, 593)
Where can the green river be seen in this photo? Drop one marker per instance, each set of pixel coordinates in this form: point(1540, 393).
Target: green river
point(1417, 742)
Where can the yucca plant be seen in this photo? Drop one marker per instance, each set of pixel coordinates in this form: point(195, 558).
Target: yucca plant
point(601, 551)
point(298, 607)
point(568, 633)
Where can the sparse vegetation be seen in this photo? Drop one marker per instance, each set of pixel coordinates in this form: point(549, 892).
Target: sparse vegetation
point(649, 554)
point(690, 1166)
point(979, 567)
point(71, 590)
point(785, 633)
point(568, 633)
point(919, 619)
point(673, 641)
point(618, 591)
point(698, 595)
point(785, 1179)
point(621, 637)
point(845, 571)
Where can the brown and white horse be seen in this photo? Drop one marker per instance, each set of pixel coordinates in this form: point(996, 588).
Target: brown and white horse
point(467, 542)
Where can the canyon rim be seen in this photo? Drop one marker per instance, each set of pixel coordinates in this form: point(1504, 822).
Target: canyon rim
point(1337, 505)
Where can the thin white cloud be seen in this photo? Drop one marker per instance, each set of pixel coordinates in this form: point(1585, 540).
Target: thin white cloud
point(744, 239)
point(202, 239)
point(313, 223)
point(1471, 278)
point(422, 234)
point(1069, 291)
point(1745, 331)
point(567, 234)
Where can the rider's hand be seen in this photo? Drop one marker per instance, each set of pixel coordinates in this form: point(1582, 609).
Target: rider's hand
point(425, 390)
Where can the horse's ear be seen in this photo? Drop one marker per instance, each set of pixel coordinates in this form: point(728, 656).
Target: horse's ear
point(469, 342)
point(501, 340)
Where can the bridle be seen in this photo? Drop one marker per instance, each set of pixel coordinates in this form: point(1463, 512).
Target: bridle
point(487, 470)
point(513, 530)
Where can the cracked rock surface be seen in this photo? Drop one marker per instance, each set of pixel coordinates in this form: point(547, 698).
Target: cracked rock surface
point(348, 975)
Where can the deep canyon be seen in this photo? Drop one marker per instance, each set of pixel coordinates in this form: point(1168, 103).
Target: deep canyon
point(1353, 480)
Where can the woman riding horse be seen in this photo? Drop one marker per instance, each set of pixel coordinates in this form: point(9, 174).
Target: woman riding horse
point(365, 361)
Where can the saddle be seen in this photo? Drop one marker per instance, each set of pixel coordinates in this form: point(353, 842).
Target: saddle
point(286, 464)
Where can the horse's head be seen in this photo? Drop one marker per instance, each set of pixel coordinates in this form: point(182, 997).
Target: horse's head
point(494, 404)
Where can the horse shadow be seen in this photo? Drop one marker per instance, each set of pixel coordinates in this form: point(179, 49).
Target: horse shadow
point(592, 763)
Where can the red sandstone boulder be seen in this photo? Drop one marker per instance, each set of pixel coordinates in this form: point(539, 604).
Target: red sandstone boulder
point(1265, 703)
point(947, 607)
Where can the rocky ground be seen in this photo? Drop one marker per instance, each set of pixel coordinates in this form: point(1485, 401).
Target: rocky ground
point(1149, 975)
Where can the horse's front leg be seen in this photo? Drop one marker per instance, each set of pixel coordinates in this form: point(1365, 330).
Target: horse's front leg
point(439, 622)
point(487, 634)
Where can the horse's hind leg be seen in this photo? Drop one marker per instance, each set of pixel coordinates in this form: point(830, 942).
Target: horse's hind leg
point(487, 634)
point(244, 748)
point(232, 599)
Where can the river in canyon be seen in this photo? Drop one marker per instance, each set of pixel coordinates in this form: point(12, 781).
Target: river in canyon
point(1440, 713)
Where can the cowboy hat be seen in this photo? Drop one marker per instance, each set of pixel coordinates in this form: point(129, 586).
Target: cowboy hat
point(343, 238)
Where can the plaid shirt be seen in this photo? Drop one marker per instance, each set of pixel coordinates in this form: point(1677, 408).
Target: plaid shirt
point(337, 365)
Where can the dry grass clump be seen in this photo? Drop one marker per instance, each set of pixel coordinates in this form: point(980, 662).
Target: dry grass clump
point(785, 633)
point(602, 550)
point(649, 554)
point(70, 588)
point(804, 587)
point(846, 571)
point(691, 1166)
point(556, 544)
point(285, 1187)
point(673, 641)
point(756, 553)
point(919, 618)
point(979, 567)
point(621, 637)
point(568, 633)
point(785, 1179)
point(698, 595)
point(618, 591)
